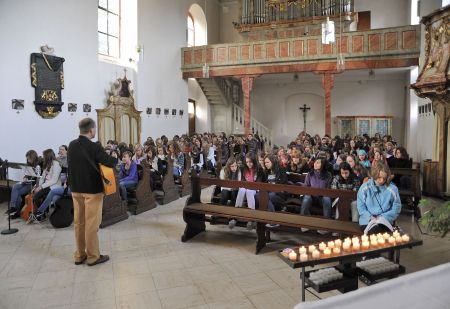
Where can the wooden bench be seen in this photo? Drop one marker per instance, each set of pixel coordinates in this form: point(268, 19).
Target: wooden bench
point(414, 193)
point(168, 191)
point(141, 198)
point(114, 209)
point(194, 212)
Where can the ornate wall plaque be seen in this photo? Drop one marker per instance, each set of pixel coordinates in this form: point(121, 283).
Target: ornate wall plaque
point(47, 78)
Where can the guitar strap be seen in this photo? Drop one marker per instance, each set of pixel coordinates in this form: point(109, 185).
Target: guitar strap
point(91, 162)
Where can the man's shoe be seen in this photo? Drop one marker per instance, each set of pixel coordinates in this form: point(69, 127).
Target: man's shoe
point(304, 229)
point(101, 259)
point(15, 215)
point(272, 226)
point(10, 211)
point(81, 261)
point(250, 225)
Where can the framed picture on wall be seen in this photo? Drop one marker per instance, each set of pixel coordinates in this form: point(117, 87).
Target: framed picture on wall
point(174, 112)
point(181, 112)
point(17, 104)
point(149, 110)
point(72, 107)
point(158, 111)
point(166, 111)
point(87, 108)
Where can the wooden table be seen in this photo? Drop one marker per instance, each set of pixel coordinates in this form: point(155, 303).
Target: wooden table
point(347, 261)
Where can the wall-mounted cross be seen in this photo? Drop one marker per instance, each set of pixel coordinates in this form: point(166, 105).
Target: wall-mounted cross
point(304, 109)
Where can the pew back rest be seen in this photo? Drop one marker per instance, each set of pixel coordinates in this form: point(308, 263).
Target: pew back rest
point(345, 197)
point(414, 174)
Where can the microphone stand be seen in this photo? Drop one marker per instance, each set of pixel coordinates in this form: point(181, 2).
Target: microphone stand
point(8, 231)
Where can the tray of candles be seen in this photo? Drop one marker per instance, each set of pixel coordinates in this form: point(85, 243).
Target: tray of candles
point(327, 279)
point(350, 248)
point(372, 270)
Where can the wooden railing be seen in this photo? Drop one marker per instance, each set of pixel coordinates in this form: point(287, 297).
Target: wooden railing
point(387, 47)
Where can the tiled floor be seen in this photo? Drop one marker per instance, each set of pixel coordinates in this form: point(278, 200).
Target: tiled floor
point(151, 268)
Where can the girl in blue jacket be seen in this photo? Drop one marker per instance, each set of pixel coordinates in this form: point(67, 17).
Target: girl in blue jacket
point(378, 197)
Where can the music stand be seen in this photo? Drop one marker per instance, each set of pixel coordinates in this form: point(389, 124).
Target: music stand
point(6, 165)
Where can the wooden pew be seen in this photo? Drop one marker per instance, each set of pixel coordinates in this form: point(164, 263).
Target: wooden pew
point(185, 179)
point(414, 193)
point(168, 192)
point(114, 209)
point(194, 212)
point(142, 198)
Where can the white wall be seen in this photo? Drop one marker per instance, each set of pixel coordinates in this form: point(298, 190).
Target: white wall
point(203, 110)
point(275, 101)
point(385, 13)
point(71, 28)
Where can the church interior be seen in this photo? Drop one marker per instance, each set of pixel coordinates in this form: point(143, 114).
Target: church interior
point(286, 153)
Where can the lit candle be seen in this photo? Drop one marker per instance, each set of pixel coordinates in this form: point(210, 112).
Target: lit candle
point(322, 246)
point(396, 234)
point(381, 242)
point(293, 256)
point(391, 240)
point(373, 237)
point(311, 248)
point(355, 240)
point(374, 243)
point(405, 238)
point(398, 240)
point(338, 243)
point(327, 252)
point(303, 257)
point(365, 238)
point(336, 250)
point(331, 244)
point(379, 235)
point(365, 244)
point(356, 247)
point(386, 236)
point(316, 254)
point(302, 250)
point(346, 246)
point(348, 239)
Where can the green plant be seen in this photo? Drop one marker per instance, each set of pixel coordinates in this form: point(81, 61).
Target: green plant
point(437, 218)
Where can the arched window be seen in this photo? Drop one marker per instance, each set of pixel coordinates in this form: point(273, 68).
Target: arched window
point(190, 31)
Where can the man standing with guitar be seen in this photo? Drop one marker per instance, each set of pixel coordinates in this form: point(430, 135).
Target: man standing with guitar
point(85, 180)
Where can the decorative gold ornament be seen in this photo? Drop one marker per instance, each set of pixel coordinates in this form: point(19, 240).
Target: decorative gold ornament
point(49, 113)
point(49, 95)
point(33, 75)
point(61, 79)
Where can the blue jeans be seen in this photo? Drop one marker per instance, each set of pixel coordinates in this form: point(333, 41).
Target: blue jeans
point(124, 185)
point(275, 201)
point(308, 201)
point(54, 195)
point(177, 171)
point(18, 190)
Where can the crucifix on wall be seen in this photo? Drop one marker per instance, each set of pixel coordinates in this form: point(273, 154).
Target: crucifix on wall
point(304, 109)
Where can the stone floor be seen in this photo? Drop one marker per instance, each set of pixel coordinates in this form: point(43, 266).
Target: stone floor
point(151, 268)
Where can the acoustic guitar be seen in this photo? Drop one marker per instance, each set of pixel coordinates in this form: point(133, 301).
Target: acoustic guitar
point(28, 208)
point(109, 179)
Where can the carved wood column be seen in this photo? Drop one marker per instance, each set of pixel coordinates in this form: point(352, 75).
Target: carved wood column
point(247, 86)
point(328, 84)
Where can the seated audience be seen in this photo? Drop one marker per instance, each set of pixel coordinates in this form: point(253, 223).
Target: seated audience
point(139, 154)
point(319, 178)
point(347, 180)
point(32, 172)
point(128, 175)
point(363, 159)
point(298, 164)
point(197, 159)
point(155, 164)
point(174, 152)
point(252, 173)
point(378, 197)
point(229, 172)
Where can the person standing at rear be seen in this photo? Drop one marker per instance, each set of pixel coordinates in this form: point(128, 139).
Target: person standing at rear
point(87, 192)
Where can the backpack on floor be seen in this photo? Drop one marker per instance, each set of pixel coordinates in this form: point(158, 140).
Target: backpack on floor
point(62, 215)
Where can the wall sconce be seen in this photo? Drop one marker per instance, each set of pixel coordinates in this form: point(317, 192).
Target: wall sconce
point(18, 105)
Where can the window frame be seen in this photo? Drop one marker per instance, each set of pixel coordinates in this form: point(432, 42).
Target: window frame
point(188, 30)
point(108, 35)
